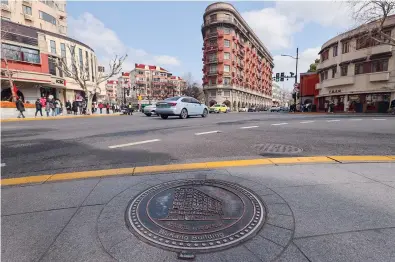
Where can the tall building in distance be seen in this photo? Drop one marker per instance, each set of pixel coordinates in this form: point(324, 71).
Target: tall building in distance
point(151, 83)
point(111, 90)
point(237, 67)
point(48, 15)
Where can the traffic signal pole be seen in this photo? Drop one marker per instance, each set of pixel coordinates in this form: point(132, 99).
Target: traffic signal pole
point(296, 72)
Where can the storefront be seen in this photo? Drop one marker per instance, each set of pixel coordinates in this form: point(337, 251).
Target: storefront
point(358, 103)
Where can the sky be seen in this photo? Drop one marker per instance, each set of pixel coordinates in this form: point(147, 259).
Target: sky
point(168, 34)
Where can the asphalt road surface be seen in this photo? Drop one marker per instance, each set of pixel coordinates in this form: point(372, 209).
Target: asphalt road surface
point(48, 147)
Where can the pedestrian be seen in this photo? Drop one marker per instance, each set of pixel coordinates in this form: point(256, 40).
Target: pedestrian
point(57, 107)
point(52, 106)
point(130, 109)
point(113, 108)
point(20, 107)
point(108, 108)
point(75, 107)
point(101, 107)
point(39, 107)
point(326, 106)
point(43, 101)
point(68, 107)
point(47, 107)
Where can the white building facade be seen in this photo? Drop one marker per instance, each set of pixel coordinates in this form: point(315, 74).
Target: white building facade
point(357, 74)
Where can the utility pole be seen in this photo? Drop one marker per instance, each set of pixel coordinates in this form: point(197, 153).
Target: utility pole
point(296, 70)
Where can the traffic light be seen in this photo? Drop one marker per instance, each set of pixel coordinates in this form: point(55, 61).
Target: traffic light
point(277, 77)
point(282, 77)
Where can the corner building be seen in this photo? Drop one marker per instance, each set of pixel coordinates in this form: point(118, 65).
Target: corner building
point(237, 67)
point(357, 74)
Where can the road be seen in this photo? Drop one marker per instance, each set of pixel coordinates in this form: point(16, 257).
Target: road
point(47, 147)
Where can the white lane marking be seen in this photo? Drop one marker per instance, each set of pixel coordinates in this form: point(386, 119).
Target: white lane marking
point(2, 164)
point(279, 124)
point(378, 119)
point(334, 120)
point(135, 143)
point(306, 122)
point(248, 127)
point(209, 132)
point(355, 119)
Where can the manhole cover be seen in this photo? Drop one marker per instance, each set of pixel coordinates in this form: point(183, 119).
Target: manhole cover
point(195, 215)
point(277, 149)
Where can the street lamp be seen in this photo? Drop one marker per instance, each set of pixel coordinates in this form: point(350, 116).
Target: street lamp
point(296, 71)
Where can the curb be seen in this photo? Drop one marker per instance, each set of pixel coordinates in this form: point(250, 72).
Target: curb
point(54, 118)
point(140, 170)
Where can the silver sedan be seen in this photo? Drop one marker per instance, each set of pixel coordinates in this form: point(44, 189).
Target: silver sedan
point(150, 110)
point(181, 106)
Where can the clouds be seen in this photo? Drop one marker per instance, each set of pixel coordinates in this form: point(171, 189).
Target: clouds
point(275, 26)
point(106, 43)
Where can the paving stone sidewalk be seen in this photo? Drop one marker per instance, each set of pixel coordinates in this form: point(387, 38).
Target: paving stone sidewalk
point(314, 212)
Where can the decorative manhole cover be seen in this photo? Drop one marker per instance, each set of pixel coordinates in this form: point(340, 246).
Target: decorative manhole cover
point(277, 149)
point(195, 215)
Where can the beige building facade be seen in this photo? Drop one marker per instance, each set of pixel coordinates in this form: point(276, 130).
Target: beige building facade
point(357, 74)
point(48, 15)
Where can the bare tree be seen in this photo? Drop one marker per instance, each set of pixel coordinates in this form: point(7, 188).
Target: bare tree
point(5, 55)
point(81, 73)
point(371, 17)
point(192, 88)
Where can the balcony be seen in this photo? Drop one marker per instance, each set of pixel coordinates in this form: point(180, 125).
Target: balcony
point(212, 35)
point(340, 81)
point(28, 17)
point(5, 7)
point(211, 73)
point(211, 48)
point(379, 76)
point(381, 49)
point(212, 61)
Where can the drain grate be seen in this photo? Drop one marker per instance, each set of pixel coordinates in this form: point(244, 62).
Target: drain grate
point(277, 149)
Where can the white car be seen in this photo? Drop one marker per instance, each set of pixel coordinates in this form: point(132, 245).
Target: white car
point(181, 106)
point(275, 109)
point(243, 109)
point(150, 110)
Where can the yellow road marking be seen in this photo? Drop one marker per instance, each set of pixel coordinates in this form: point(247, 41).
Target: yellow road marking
point(191, 166)
point(362, 158)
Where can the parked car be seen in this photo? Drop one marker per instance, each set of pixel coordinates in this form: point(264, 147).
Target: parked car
point(218, 109)
point(243, 109)
point(150, 110)
point(275, 109)
point(181, 106)
point(252, 109)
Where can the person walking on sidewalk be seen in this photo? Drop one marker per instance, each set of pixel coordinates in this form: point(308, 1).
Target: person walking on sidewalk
point(75, 107)
point(68, 107)
point(108, 108)
point(47, 108)
point(20, 107)
point(130, 109)
point(101, 107)
point(38, 108)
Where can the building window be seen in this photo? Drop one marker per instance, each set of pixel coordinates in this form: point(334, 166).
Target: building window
point(46, 17)
point(213, 18)
point(27, 10)
point(335, 50)
point(345, 47)
point(226, 93)
point(226, 30)
point(18, 53)
point(226, 43)
point(213, 69)
point(226, 56)
point(63, 50)
point(324, 75)
point(4, 2)
point(344, 70)
point(363, 68)
point(81, 60)
point(226, 68)
point(380, 65)
point(325, 55)
point(334, 71)
point(53, 46)
point(227, 81)
point(212, 58)
point(212, 93)
point(52, 65)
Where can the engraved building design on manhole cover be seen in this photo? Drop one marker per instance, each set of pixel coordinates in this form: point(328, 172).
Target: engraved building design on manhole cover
point(195, 215)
